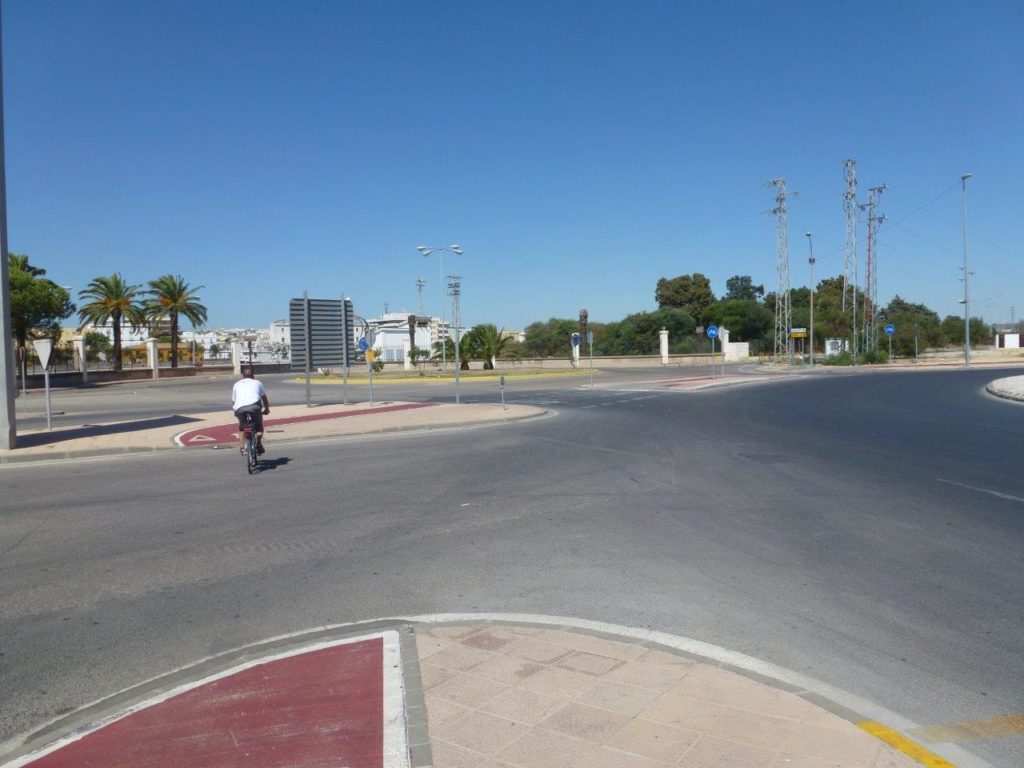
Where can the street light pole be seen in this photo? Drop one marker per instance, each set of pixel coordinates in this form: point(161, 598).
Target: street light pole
point(967, 278)
point(810, 260)
point(8, 427)
point(426, 251)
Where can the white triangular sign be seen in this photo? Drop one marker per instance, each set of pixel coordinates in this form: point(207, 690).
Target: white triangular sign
point(201, 439)
point(43, 348)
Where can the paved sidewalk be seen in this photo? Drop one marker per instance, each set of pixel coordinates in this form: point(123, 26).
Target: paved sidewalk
point(529, 697)
point(285, 423)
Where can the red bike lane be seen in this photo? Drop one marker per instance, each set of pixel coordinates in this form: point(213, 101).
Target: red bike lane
point(226, 434)
point(331, 706)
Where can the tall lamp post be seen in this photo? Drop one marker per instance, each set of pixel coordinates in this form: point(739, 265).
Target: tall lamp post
point(967, 278)
point(440, 249)
point(810, 260)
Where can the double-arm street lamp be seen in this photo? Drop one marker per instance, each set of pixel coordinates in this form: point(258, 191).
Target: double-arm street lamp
point(439, 250)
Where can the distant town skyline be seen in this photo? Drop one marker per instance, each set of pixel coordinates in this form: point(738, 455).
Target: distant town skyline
point(576, 152)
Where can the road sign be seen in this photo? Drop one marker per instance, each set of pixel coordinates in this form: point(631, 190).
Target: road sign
point(575, 339)
point(364, 344)
point(699, 330)
point(43, 349)
point(712, 331)
point(371, 336)
point(322, 330)
point(371, 355)
point(890, 329)
point(590, 338)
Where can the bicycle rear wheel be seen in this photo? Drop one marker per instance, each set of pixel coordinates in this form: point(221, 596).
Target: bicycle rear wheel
point(252, 456)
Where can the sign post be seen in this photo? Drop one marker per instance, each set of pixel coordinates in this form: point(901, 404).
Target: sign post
point(590, 343)
point(890, 329)
point(501, 386)
point(575, 349)
point(43, 349)
point(366, 344)
point(712, 334)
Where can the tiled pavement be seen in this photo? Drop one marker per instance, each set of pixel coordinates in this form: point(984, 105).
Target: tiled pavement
point(501, 696)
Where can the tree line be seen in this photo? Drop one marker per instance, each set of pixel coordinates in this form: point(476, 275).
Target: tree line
point(38, 305)
point(686, 301)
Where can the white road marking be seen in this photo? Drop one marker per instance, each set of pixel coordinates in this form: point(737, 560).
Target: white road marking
point(981, 490)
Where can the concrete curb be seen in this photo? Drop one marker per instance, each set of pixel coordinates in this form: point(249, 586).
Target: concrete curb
point(1009, 388)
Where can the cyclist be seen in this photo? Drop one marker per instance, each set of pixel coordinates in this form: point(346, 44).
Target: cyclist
point(249, 396)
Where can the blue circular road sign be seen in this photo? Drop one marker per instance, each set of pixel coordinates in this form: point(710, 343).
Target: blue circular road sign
point(575, 339)
point(890, 329)
point(363, 344)
point(712, 331)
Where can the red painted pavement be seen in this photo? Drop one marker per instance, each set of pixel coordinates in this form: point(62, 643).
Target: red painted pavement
point(314, 710)
point(223, 434)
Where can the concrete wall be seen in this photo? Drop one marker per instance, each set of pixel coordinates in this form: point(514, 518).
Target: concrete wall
point(74, 378)
point(564, 363)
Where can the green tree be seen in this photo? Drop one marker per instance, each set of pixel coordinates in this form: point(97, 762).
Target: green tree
point(639, 333)
point(689, 292)
point(746, 320)
point(172, 297)
point(742, 287)
point(111, 299)
point(953, 330)
point(550, 339)
point(907, 317)
point(37, 304)
point(97, 345)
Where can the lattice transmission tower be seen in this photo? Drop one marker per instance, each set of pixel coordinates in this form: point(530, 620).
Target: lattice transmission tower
point(420, 282)
point(783, 314)
point(850, 259)
point(455, 291)
point(874, 219)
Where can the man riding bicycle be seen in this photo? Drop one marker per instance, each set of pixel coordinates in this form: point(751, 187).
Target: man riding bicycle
point(249, 396)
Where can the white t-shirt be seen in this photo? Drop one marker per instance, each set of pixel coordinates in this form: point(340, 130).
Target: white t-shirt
point(246, 392)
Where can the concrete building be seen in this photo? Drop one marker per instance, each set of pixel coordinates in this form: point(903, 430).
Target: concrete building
point(392, 328)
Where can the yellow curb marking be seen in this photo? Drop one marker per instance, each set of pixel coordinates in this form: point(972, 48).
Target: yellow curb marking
point(908, 747)
point(992, 728)
point(445, 380)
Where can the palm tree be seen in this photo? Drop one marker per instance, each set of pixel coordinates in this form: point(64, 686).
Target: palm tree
point(20, 261)
point(487, 343)
point(112, 299)
point(171, 296)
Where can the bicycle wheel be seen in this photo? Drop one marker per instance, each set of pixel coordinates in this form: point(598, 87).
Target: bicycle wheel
point(251, 452)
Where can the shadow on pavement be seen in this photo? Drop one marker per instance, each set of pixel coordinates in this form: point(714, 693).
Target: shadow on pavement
point(266, 464)
point(98, 430)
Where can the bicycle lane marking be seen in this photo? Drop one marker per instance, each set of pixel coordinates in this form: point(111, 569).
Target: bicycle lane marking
point(339, 702)
point(226, 434)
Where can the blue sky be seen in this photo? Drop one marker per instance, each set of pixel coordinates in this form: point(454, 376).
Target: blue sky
point(577, 151)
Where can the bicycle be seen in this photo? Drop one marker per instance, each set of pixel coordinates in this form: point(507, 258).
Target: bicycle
point(250, 450)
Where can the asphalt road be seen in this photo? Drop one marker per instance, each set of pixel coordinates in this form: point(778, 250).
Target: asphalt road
point(866, 530)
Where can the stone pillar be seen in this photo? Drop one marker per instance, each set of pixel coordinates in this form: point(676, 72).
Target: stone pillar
point(407, 354)
point(79, 346)
point(153, 357)
point(236, 357)
point(663, 333)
